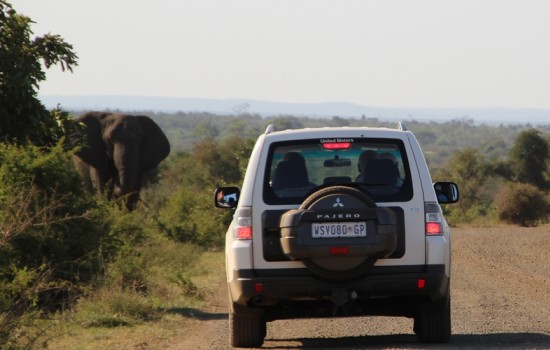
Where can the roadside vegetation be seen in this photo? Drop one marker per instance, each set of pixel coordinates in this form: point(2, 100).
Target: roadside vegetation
point(71, 260)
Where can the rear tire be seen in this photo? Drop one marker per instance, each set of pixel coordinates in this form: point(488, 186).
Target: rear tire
point(246, 329)
point(432, 324)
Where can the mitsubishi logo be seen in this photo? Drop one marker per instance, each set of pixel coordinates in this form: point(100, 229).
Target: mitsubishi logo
point(338, 203)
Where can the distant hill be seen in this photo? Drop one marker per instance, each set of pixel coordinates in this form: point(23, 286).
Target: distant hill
point(489, 115)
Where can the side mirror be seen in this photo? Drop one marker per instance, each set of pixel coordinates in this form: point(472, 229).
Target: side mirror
point(446, 192)
point(226, 197)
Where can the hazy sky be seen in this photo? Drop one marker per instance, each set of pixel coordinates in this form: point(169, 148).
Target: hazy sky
point(402, 53)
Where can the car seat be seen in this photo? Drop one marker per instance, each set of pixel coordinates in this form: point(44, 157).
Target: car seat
point(381, 172)
point(290, 174)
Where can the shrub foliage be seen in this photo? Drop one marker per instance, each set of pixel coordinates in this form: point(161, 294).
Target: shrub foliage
point(51, 232)
point(522, 204)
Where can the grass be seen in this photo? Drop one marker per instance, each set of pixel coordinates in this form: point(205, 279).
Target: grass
point(116, 319)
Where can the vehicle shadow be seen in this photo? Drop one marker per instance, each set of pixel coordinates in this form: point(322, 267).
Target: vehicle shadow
point(197, 313)
point(409, 341)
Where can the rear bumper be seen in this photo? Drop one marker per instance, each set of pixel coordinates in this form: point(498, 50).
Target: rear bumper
point(269, 287)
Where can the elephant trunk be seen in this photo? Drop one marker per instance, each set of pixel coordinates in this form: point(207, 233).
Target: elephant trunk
point(128, 180)
point(126, 183)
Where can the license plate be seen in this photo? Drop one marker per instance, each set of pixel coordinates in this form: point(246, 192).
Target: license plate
point(338, 229)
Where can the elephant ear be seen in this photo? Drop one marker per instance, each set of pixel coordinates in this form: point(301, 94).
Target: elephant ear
point(92, 150)
point(155, 146)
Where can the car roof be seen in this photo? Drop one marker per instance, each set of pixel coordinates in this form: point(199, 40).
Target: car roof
point(334, 133)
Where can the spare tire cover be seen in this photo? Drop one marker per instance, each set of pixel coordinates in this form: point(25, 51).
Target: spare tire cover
point(355, 255)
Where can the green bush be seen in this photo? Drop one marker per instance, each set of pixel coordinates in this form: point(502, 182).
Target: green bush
point(51, 233)
point(59, 242)
point(522, 204)
point(188, 214)
point(46, 217)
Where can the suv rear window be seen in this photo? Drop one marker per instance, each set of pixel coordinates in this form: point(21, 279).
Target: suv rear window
point(298, 168)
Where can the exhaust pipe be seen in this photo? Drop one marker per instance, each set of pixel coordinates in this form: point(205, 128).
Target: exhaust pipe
point(258, 300)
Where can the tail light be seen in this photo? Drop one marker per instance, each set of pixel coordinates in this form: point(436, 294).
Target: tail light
point(243, 224)
point(434, 219)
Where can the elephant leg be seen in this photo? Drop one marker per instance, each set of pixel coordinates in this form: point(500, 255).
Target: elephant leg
point(112, 183)
point(83, 170)
point(100, 180)
point(131, 200)
point(109, 188)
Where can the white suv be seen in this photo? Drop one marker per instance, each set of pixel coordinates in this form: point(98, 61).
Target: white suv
point(334, 222)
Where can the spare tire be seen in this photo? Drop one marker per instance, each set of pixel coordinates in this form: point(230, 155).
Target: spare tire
point(338, 233)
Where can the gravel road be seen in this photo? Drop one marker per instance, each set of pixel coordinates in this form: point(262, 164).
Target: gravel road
point(500, 299)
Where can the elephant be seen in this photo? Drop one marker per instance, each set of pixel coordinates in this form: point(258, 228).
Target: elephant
point(115, 150)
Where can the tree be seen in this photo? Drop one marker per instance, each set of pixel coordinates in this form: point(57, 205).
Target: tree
point(23, 118)
point(528, 158)
point(469, 169)
point(286, 122)
point(339, 121)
